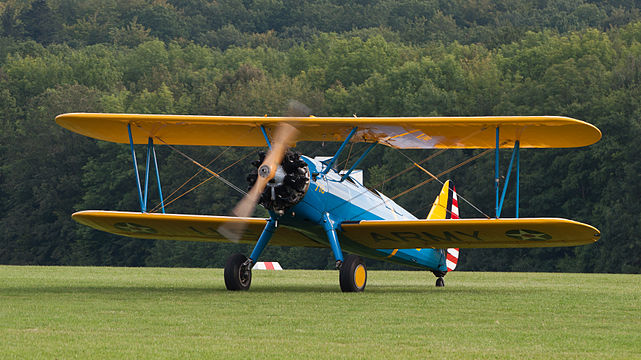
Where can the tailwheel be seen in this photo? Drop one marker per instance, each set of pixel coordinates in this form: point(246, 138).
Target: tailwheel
point(353, 274)
point(439, 278)
point(238, 274)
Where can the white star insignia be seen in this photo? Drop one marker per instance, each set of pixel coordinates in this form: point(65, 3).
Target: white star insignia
point(134, 228)
point(532, 235)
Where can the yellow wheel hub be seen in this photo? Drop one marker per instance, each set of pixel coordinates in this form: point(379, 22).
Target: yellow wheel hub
point(360, 276)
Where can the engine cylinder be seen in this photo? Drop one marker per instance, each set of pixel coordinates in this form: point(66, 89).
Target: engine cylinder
point(289, 185)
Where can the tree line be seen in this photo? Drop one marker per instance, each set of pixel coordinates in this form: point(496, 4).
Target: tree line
point(281, 23)
point(573, 58)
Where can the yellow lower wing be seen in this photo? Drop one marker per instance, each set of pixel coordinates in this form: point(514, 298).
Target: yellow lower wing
point(379, 234)
point(470, 233)
point(186, 227)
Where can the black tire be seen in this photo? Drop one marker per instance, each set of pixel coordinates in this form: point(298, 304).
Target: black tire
point(440, 282)
point(353, 274)
point(237, 276)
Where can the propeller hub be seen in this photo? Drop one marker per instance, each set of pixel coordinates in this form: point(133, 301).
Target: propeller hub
point(264, 171)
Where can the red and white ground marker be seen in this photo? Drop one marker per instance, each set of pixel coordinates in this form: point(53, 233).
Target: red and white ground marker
point(267, 265)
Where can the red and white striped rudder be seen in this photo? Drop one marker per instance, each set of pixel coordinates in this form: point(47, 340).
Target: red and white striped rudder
point(452, 253)
point(445, 206)
point(451, 259)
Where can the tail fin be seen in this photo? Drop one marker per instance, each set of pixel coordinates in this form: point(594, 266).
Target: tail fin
point(445, 206)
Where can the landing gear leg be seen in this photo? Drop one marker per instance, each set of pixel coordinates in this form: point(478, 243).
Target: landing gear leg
point(332, 237)
point(238, 270)
point(352, 271)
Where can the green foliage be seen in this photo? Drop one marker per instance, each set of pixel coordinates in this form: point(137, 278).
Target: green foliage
point(231, 57)
point(131, 35)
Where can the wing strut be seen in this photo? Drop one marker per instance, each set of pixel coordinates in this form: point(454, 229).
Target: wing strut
point(358, 161)
point(497, 180)
point(518, 171)
point(340, 149)
point(269, 145)
point(151, 151)
point(501, 198)
point(515, 152)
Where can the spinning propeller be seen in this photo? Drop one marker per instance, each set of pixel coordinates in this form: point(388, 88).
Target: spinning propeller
point(285, 134)
point(269, 169)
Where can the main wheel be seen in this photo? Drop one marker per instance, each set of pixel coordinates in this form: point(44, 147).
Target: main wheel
point(353, 274)
point(237, 275)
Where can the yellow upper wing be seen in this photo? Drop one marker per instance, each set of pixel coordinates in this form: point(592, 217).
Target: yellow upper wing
point(399, 132)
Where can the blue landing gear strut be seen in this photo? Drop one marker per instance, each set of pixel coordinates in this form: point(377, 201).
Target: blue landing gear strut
point(330, 230)
point(352, 273)
point(264, 238)
point(238, 269)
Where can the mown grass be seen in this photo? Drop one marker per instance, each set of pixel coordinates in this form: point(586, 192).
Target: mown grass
point(155, 313)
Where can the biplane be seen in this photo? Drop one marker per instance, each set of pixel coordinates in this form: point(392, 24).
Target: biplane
point(313, 204)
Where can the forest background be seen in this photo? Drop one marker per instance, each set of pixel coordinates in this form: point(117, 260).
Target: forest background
point(341, 58)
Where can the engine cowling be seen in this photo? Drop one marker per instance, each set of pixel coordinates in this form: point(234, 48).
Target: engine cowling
point(289, 185)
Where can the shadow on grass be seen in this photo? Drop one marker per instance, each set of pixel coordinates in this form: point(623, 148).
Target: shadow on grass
point(155, 291)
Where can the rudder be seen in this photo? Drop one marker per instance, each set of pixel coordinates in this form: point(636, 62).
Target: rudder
point(445, 206)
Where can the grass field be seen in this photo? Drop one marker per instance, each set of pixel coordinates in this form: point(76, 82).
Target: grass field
point(154, 313)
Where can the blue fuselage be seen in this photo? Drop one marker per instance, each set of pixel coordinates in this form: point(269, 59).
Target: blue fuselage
point(349, 200)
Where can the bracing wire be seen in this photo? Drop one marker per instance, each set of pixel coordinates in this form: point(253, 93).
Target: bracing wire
point(242, 192)
point(169, 200)
point(441, 174)
point(432, 156)
point(204, 181)
point(199, 164)
point(348, 154)
point(432, 178)
point(227, 182)
point(435, 177)
point(410, 168)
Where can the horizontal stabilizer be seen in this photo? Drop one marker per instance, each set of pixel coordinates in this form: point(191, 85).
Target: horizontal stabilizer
point(186, 227)
point(470, 233)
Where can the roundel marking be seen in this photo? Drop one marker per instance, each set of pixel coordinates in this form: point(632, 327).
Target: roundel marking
point(134, 228)
point(531, 235)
